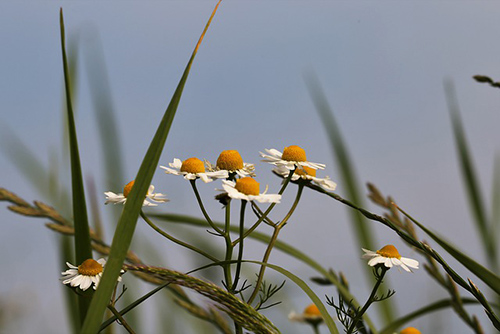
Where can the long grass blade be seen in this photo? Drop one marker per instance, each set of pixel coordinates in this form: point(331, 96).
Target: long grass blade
point(434, 307)
point(469, 175)
point(362, 229)
point(310, 293)
point(128, 220)
point(483, 273)
point(83, 249)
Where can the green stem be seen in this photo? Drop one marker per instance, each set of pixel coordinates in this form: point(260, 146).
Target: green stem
point(120, 318)
point(370, 300)
point(177, 241)
point(261, 219)
point(229, 247)
point(259, 213)
point(200, 202)
point(315, 328)
point(272, 242)
point(240, 247)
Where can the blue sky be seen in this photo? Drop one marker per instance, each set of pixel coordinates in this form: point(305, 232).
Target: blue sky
point(382, 66)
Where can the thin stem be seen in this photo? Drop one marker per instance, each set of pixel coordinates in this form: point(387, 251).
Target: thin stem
point(264, 215)
point(205, 214)
point(272, 242)
point(259, 213)
point(177, 241)
point(315, 328)
point(370, 300)
point(294, 206)
point(240, 247)
point(229, 247)
point(120, 318)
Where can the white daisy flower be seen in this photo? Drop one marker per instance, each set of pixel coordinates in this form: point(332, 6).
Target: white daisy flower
point(311, 315)
point(292, 156)
point(231, 161)
point(248, 189)
point(306, 173)
point(389, 257)
point(193, 168)
point(151, 197)
point(86, 274)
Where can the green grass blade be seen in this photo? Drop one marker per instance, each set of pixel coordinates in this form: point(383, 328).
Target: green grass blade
point(128, 220)
point(495, 226)
point(282, 246)
point(469, 175)
point(349, 180)
point(434, 307)
point(310, 293)
point(483, 273)
point(83, 249)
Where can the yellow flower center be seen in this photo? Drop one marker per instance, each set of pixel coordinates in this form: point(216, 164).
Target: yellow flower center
point(128, 188)
point(312, 310)
point(89, 267)
point(389, 251)
point(294, 153)
point(247, 186)
point(410, 330)
point(193, 165)
point(306, 171)
point(230, 160)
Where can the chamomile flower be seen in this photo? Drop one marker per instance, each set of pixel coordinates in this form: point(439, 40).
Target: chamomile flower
point(410, 330)
point(292, 156)
point(306, 173)
point(231, 161)
point(248, 189)
point(311, 315)
point(151, 197)
point(87, 274)
point(389, 257)
point(193, 168)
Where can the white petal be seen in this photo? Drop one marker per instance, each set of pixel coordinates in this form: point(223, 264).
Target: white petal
point(204, 177)
point(86, 283)
point(313, 165)
point(71, 266)
point(170, 170)
point(410, 262)
point(76, 281)
point(268, 198)
point(190, 176)
point(376, 260)
point(325, 183)
point(177, 164)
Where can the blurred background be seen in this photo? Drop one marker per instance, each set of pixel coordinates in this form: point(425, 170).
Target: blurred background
point(381, 66)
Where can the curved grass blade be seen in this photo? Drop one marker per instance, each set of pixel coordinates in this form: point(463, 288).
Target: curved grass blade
point(483, 273)
point(362, 229)
point(301, 284)
point(284, 247)
point(469, 175)
point(436, 306)
point(128, 220)
point(83, 248)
